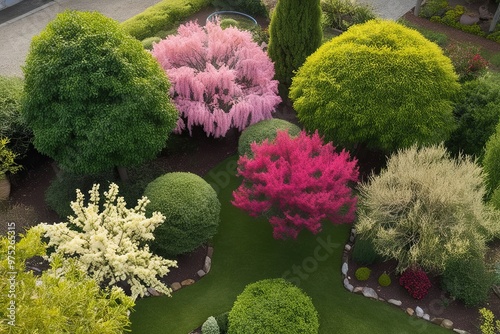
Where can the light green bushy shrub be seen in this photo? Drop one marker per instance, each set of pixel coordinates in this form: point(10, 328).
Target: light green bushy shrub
point(263, 130)
point(380, 84)
point(273, 306)
point(210, 326)
point(161, 16)
point(433, 8)
point(12, 124)
point(147, 43)
point(362, 273)
point(477, 111)
point(426, 208)
point(191, 208)
point(341, 14)
point(468, 279)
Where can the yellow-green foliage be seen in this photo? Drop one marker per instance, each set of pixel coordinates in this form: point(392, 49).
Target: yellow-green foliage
point(426, 208)
point(362, 273)
point(52, 302)
point(379, 83)
point(489, 325)
point(161, 16)
point(7, 163)
point(384, 280)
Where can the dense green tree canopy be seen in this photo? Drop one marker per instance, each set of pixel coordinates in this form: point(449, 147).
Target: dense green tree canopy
point(93, 96)
point(379, 83)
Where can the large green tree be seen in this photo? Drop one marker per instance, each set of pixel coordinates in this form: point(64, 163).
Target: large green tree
point(94, 97)
point(379, 84)
point(294, 33)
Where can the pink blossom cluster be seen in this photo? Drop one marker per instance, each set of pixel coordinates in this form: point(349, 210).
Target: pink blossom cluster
point(297, 183)
point(220, 78)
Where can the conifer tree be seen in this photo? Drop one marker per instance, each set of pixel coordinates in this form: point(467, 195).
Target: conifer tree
point(294, 33)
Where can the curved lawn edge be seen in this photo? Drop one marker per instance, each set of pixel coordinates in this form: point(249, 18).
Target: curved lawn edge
point(245, 252)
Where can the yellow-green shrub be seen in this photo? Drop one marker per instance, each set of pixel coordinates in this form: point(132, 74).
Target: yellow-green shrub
point(161, 16)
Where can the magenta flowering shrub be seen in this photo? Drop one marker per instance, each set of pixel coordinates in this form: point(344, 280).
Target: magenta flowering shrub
point(220, 78)
point(415, 282)
point(297, 183)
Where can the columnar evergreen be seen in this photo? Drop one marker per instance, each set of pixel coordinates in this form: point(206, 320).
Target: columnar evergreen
point(294, 33)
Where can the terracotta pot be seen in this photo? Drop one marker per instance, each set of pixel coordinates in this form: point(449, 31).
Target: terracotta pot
point(4, 188)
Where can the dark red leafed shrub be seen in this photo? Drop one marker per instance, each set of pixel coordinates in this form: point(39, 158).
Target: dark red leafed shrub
point(415, 282)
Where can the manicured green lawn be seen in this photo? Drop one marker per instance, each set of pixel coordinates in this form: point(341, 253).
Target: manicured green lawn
point(245, 252)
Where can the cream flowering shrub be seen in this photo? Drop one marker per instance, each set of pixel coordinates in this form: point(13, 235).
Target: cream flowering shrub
point(110, 245)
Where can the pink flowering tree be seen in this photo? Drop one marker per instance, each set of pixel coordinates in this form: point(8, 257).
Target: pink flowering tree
point(220, 78)
point(297, 183)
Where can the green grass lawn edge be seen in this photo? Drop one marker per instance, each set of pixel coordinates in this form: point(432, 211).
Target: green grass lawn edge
point(245, 252)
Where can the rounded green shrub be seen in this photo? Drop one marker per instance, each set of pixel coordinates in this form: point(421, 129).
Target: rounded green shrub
point(379, 84)
point(263, 130)
point(147, 43)
point(273, 306)
point(362, 273)
point(210, 326)
point(384, 280)
point(226, 23)
point(363, 252)
point(468, 280)
point(191, 208)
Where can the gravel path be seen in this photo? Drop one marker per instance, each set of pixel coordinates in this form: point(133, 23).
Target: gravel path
point(16, 34)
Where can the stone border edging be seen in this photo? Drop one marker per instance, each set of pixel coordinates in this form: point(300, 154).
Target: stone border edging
point(370, 292)
point(202, 272)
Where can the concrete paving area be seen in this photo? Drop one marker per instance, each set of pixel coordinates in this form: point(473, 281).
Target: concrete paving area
point(16, 33)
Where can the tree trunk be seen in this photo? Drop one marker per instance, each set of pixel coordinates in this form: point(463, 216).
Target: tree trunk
point(495, 19)
point(122, 171)
point(416, 11)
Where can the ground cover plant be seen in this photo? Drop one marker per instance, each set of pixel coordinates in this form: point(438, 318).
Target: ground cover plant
point(353, 99)
point(220, 78)
point(121, 118)
point(297, 183)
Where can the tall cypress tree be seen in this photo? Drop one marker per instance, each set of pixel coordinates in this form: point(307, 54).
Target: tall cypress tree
point(295, 33)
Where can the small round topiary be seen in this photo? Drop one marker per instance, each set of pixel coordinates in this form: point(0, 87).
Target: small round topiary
point(191, 208)
point(210, 326)
point(263, 130)
point(273, 306)
point(384, 280)
point(362, 273)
